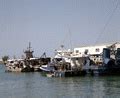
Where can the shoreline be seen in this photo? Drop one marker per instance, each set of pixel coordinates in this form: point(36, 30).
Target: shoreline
point(1, 63)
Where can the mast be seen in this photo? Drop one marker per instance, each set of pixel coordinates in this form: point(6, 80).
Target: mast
point(29, 46)
point(29, 52)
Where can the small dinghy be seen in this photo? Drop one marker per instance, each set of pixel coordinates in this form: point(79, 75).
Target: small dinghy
point(47, 68)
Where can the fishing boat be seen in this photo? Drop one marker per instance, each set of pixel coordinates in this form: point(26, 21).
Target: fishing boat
point(62, 67)
point(18, 65)
point(110, 66)
point(27, 64)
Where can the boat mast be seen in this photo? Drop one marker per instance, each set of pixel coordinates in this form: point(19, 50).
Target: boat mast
point(29, 52)
point(29, 46)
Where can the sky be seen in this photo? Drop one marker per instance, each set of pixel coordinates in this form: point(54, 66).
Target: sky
point(48, 24)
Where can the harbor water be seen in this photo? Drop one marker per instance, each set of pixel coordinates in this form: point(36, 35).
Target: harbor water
point(34, 85)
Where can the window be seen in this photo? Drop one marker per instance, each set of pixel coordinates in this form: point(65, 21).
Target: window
point(86, 51)
point(97, 50)
point(77, 51)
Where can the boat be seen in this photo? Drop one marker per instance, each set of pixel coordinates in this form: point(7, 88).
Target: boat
point(18, 65)
point(94, 60)
point(47, 68)
point(109, 66)
point(27, 64)
point(60, 68)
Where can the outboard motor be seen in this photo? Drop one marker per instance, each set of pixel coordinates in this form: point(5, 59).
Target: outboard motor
point(117, 56)
point(106, 55)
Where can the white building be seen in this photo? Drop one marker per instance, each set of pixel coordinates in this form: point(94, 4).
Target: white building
point(95, 52)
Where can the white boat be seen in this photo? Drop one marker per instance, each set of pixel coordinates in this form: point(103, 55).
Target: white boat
point(47, 68)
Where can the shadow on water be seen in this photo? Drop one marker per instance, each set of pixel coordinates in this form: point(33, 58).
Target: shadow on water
point(33, 85)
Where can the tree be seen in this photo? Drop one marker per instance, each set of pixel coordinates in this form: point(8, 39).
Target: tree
point(5, 58)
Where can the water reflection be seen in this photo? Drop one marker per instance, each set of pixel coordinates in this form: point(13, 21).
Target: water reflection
point(33, 85)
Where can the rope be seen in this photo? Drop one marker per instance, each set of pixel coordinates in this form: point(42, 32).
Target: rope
point(107, 23)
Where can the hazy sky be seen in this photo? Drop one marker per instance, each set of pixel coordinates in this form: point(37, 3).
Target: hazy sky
point(49, 23)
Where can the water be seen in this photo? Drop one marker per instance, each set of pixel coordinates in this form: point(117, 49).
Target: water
point(33, 85)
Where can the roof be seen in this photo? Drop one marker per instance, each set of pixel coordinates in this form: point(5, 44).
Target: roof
point(104, 44)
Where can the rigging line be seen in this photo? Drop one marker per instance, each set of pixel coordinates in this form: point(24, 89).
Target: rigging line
point(107, 23)
point(70, 39)
point(62, 42)
point(67, 36)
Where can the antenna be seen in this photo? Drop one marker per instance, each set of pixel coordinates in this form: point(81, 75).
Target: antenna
point(70, 39)
point(29, 46)
point(70, 47)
